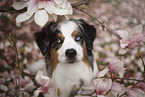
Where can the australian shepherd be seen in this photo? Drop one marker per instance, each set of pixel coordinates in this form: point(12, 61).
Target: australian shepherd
point(67, 47)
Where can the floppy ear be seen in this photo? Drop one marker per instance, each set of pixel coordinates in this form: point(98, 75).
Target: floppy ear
point(89, 33)
point(43, 38)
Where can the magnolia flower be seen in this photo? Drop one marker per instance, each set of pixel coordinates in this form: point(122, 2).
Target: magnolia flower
point(44, 81)
point(131, 39)
point(42, 11)
point(115, 66)
point(102, 85)
point(116, 88)
point(136, 93)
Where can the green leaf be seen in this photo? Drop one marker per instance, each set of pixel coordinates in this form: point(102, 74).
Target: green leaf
point(141, 53)
point(20, 65)
point(10, 39)
point(58, 92)
point(75, 87)
point(107, 92)
point(21, 50)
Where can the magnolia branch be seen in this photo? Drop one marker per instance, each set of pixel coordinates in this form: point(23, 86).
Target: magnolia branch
point(19, 68)
point(102, 24)
point(10, 9)
point(31, 77)
point(123, 79)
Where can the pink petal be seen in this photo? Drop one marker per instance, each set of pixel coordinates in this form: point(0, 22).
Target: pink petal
point(137, 29)
point(45, 89)
point(103, 86)
point(116, 87)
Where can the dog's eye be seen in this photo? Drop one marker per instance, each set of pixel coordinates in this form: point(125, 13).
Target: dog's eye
point(78, 38)
point(58, 41)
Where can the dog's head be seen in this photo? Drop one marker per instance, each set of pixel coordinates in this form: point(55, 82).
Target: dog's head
point(66, 42)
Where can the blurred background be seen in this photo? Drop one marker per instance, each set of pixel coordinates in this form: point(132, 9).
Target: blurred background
point(114, 14)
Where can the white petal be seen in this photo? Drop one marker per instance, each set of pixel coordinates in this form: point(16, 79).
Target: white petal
point(32, 6)
point(103, 72)
point(63, 4)
point(30, 21)
point(69, 7)
point(41, 17)
point(41, 79)
point(122, 51)
point(50, 7)
point(103, 86)
point(58, 2)
point(143, 39)
point(19, 5)
point(137, 29)
point(59, 11)
point(36, 92)
point(117, 87)
point(51, 18)
point(123, 45)
point(23, 17)
point(55, 17)
point(123, 34)
point(66, 17)
point(38, 75)
point(121, 74)
point(45, 78)
point(41, 4)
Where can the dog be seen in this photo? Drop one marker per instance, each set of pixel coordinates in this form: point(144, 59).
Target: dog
point(67, 47)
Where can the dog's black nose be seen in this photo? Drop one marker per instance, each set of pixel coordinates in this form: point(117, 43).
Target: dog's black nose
point(70, 53)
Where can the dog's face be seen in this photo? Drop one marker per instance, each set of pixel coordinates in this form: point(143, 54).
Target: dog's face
point(66, 42)
point(71, 43)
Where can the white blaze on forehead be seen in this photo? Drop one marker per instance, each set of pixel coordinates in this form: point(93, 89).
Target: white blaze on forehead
point(67, 28)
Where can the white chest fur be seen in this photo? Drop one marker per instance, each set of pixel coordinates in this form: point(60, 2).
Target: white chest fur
point(67, 75)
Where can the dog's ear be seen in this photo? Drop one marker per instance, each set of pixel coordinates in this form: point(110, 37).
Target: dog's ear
point(43, 38)
point(89, 33)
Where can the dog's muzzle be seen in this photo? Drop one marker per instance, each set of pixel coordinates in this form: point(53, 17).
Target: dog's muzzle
point(71, 55)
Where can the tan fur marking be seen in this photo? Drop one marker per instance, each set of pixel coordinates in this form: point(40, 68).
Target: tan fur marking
point(60, 35)
point(75, 33)
point(85, 60)
point(54, 58)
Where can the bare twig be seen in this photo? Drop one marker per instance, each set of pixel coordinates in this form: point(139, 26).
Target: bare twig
point(81, 3)
point(123, 79)
point(143, 65)
point(102, 24)
point(32, 78)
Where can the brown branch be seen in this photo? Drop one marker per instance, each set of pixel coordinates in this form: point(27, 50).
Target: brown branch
point(32, 78)
point(122, 79)
point(102, 24)
point(84, 2)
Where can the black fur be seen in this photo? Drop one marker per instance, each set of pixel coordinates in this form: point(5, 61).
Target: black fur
point(89, 33)
point(45, 37)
